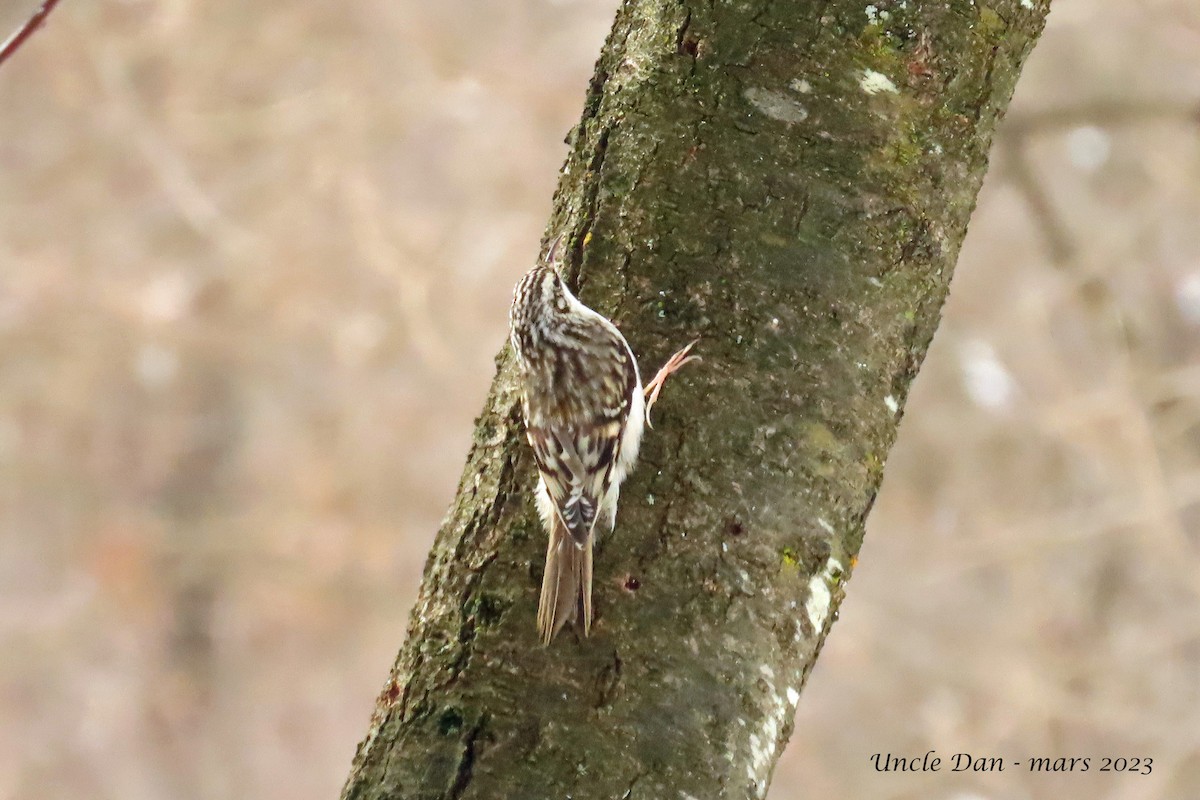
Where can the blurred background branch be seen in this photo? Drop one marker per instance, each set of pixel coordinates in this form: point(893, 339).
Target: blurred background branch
point(18, 38)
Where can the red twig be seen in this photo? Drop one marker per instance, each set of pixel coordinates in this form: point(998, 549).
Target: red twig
point(26, 30)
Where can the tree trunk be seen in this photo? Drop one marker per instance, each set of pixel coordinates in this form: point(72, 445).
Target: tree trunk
point(790, 182)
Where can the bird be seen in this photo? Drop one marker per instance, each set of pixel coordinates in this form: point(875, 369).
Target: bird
point(585, 411)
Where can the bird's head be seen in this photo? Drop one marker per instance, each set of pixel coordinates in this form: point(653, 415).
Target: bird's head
point(541, 294)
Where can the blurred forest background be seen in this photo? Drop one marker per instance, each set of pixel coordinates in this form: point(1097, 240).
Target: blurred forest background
point(255, 262)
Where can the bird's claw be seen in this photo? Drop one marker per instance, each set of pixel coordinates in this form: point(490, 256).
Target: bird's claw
point(674, 363)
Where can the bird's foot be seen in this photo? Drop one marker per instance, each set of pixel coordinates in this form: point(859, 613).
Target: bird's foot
point(674, 363)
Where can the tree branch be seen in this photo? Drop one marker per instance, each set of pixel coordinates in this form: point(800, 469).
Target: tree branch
point(18, 38)
point(791, 182)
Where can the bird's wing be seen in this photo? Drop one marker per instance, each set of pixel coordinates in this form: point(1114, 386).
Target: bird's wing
point(575, 420)
point(576, 466)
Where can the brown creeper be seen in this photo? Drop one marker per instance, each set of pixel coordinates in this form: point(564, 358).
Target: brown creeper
point(585, 412)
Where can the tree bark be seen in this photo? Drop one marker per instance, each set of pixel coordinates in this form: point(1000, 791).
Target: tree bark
point(791, 182)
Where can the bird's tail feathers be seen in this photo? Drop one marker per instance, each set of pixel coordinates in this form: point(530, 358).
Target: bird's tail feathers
point(567, 583)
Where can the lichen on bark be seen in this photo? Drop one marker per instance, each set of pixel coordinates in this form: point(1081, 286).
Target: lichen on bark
point(791, 183)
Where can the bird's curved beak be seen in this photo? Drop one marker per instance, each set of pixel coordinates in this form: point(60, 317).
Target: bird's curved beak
point(552, 254)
